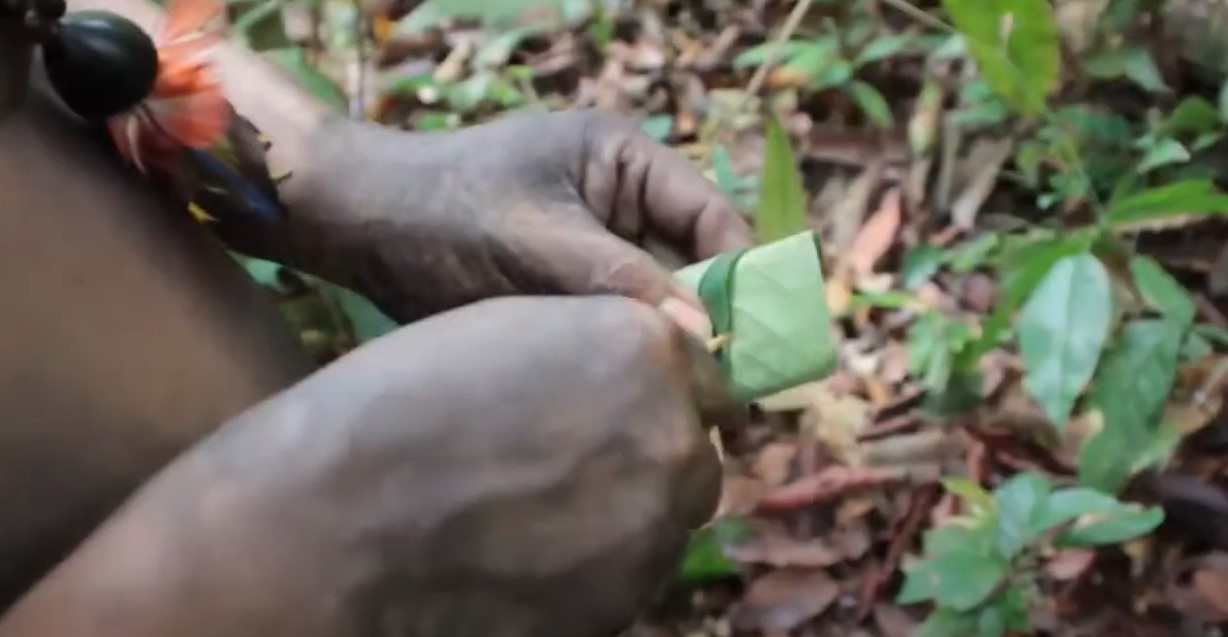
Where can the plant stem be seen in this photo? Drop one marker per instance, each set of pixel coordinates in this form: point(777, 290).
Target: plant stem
point(791, 23)
point(919, 15)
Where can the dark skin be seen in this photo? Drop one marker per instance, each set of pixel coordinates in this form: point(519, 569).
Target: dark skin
point(512, 466)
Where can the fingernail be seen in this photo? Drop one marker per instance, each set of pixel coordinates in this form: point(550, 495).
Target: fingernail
point(687, 316)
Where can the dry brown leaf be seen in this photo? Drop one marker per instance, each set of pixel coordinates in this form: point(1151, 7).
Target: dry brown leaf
point(877, 235)
point(928, 446)
point(844, 221)
point(827, 485)
point(969, 202)
point(774, 462)
point(784, 552)
point(892, 621)
point(1070, 563)
point(783, 600)
point(1210, 580)
point(739, 495)
point(836, 420)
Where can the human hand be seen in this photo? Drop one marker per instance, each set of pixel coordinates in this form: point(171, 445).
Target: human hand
point(559, 203)
point(523, 466)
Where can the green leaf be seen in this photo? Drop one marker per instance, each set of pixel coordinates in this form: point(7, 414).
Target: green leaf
point(959, 579)
point(1192, 115)
point(781, 331)
point(1165, 152)
point(1213, 333)
point(972, 493)
point(1192, 196)
point(366, 320)
point(1015, 45)
point(946, 623)
point(872, 103)
point(261, 27)
point(836, 72)
point(782, 202)
point(991, 623)
point(1015, 502)
point(920, 264)
point(705, 557)
point(658, 127)
point(977, 535)
point(1161, 291)
point(1062, 330)
point(1222, 102)
point(716, 290)
point(882, 47)
point(1132, 62)
point(757, 55)
point(1130, 391)
point(1124, 522)
point(307, 77)
point(1065, 505)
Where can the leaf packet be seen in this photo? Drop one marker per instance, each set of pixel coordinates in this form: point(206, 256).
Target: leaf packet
point(771, 302)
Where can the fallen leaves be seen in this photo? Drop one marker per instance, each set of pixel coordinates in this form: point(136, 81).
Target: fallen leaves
point(782, 600)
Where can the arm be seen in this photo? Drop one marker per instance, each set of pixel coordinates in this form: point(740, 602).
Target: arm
point(426, 222)
point(549, 504)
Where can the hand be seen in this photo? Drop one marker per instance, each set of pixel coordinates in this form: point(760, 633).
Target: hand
point(542, 204)
point(525, 466)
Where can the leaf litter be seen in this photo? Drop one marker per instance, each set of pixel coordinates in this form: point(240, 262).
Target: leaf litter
point(986, 328)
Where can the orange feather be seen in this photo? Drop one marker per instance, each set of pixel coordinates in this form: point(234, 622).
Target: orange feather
point(186, 106)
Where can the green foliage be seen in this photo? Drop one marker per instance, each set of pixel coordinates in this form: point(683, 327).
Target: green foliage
point(980, 569)
point(1062, 329)
point(782, 202)
point(1015, 45)
point(705, 557)
point(329, 319)
point(1130, 392)
point(771, 302)
point(832, 60)
point(434, 12)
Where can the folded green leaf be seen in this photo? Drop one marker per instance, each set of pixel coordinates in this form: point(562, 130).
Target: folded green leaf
point(773, 301)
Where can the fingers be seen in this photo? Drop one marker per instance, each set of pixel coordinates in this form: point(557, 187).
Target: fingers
point(639, 186)
point(587, 259)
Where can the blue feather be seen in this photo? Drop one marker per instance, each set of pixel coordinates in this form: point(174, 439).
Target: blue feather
point(254, 200)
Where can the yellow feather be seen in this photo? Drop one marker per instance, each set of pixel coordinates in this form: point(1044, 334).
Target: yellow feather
point(199, 213)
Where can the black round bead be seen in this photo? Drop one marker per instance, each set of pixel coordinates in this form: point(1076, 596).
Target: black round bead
point(101, 64)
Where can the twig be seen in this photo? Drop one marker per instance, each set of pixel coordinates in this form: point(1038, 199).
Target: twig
point(791, 24)
point(919, 15)
point(358, 109)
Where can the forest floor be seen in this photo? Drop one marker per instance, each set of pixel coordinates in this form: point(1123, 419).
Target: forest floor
point(1025, 267)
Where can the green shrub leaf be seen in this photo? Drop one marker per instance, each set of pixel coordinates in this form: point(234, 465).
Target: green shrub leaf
point(1062, 330)
point(782, 202)
point(1130, 392)
point(1161, 291)
point(1015, 45)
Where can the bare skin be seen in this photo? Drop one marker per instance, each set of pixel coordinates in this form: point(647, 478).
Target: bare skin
point(351, 504)
point(125, 334)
